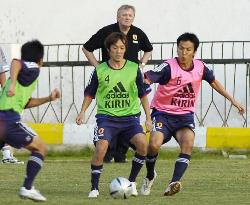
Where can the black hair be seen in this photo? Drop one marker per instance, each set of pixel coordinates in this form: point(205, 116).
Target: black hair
point(113, 38)
point(189, 37)
point(32, 51)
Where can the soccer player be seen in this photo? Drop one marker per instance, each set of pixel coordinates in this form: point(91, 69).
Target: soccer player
point(137, 41)
point(6, 150)
point(117, 84)
point(12, 130)
point(174, 106)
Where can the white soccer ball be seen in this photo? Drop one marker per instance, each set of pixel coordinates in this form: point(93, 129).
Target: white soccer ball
point(120, 188)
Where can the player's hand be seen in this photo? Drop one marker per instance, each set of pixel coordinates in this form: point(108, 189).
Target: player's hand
point(11, 91)
point(239, 107)
point(80, 118)
point(55, 94)
point(148, 125)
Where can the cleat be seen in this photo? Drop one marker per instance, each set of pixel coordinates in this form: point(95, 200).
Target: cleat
point(93, 193)
point(32, 194)
point(12, 160)
point(147, 184)
point(134, 190)
point(173, 188)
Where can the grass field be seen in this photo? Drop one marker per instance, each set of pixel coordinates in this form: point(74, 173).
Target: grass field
point(210, 179)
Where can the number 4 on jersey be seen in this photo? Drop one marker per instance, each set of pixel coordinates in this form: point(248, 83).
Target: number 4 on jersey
point(107, 79)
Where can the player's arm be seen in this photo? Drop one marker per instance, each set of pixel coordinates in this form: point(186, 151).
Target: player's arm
point(145, 105)
point(34, 102)
point(220, 89)
point(2, 79)
point(14, 71)
point(142, 94)
point(160, 74)
point(208, 75)
point(81, 117)
point(89, 95)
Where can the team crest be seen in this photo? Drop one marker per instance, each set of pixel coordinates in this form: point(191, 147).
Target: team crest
point(28, 138)
point(101, 131)
point(159, 125)
point(135, 37)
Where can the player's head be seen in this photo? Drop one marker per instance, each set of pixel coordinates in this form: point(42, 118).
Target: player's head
point(116, 45)
point(126, 15)
point(32, 51)
point(189, 37)
point(187, 45)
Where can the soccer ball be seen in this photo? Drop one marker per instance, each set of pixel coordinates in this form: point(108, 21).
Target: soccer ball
point(120, 188)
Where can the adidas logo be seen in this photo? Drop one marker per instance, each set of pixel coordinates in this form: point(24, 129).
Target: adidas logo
point(186, 92)
point(117, 92)
point(184, 97)
point(118, 97)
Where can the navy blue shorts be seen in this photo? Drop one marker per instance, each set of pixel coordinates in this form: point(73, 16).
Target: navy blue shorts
point(109, 129)
point(16, 134)
point(169, 124)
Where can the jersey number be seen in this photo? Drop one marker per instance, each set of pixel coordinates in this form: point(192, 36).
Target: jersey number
point(107, 79)
point(178, 82)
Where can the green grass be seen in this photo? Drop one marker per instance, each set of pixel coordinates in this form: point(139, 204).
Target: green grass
point(210, 179)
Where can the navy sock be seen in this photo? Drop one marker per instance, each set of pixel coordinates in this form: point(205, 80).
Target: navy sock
point(137, 164)
point(34, 165)
point(181, 165)
point(150, 164)
point(95, 175)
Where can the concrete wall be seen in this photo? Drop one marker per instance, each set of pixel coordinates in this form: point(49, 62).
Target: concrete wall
point(74, 21)
point(65, 21)
point(72, 134)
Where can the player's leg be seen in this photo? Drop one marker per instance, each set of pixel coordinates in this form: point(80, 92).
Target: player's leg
point(161, 134)
point(8, 156)
point(103, 135)
point(19, 135)
point(34, 165)
point(185, 138)
point(140, 142)
point(155, 142)
point(101, 147)
point(109, 155)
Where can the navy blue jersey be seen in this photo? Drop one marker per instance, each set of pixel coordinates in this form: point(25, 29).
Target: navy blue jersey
point(28, 74)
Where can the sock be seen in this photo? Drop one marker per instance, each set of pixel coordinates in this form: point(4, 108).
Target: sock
point(150, 164)
point(181, 165)
point(6, 152)
point(95, 175)
point(34, 165)
point(137, 164)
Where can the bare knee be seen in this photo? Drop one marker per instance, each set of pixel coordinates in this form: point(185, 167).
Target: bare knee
point(37, 145)
point(153, 148)
point(186, 148)
point(100, 151)
point(141, 148)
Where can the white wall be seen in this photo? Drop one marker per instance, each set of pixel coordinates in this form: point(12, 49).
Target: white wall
point(64, 21)
point(74, 21)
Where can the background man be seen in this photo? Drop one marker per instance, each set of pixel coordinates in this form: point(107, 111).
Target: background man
point(137, 41)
